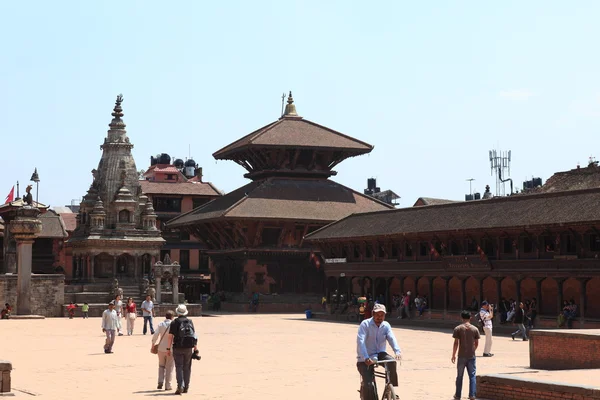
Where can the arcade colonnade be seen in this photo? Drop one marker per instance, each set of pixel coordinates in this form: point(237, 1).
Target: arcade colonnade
point(92, 266)
point(454, 293)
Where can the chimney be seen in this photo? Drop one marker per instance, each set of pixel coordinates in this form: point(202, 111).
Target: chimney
point(198, 173)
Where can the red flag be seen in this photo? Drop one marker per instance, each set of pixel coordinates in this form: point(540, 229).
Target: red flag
point(11, 196)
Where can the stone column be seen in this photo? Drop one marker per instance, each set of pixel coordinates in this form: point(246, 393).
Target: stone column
point(136, 270)
point(92, 272)
point(158, 285)
point(114, 269)
point(176, 284)
point(25, 228)
point(10, 256)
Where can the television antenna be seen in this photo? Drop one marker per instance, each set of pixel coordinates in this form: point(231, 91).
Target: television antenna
point(470, 180)
point(500, 165)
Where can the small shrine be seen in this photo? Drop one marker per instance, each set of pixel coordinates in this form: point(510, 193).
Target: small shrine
point(166, 277)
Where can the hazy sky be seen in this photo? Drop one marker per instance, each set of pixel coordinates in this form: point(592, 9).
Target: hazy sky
point(432, 87)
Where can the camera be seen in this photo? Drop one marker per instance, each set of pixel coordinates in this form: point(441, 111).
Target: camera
point(196, 355)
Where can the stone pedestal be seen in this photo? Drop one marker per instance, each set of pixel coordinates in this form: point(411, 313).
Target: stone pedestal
point(5, 369)
point(24, 228)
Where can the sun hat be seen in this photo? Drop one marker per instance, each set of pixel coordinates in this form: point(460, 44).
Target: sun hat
point(379, 308)
point(112, 303)
point(181, 310)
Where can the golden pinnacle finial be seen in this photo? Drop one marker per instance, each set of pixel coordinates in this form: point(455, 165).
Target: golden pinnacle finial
point(290, 108)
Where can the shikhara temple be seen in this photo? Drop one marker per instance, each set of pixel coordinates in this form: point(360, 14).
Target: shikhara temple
point(116, 233)
point(255, 234)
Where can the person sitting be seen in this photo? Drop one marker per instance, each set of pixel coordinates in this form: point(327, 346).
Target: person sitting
point(6, 311)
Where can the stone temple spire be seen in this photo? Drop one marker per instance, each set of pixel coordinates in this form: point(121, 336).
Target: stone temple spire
point(117, 122)
point(290, 108)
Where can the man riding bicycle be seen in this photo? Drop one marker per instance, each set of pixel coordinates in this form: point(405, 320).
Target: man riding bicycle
point(371, 345)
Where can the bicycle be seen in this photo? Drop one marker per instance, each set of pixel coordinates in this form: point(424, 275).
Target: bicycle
point(369, 392)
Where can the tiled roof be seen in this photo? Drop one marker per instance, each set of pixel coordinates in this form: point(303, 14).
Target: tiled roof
point(431, 201)
point(69, 220)
point(575, 179)
point(181, 188)
point(279, 198)
point(52, 226)
point(529, 211)
point(295, 132)
point(165, 169)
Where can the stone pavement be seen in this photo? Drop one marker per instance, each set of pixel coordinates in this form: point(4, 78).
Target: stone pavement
point(254, 357)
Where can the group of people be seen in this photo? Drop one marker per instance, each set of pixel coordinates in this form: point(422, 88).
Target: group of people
point(567, 314)
point(175, 341)
point(509, 308)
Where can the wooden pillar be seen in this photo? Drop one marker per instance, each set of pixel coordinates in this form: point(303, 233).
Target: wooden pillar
point(559, 298)
point(480, 280)
point(430, 283)
point(582, 299)
point(499, 288)
point(136, 263)
point(114, 269)
point(463, 293)
point(446, 294)
point(518, 284)
point(387, 292)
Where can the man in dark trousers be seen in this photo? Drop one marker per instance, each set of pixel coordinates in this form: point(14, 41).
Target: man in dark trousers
point(466, 340)
point(183, 342)
point(519, 320)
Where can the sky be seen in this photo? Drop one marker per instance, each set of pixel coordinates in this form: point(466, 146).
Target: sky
point(432, 85)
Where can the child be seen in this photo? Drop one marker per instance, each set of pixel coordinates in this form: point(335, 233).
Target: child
point(71, 308)
point(84, 309)
point(6, 311)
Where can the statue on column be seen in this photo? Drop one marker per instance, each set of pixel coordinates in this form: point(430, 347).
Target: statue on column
point(28, 198)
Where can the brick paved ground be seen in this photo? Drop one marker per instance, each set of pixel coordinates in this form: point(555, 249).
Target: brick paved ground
point(253, 357)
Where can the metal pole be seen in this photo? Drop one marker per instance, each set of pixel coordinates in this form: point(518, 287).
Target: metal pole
point(37, 192)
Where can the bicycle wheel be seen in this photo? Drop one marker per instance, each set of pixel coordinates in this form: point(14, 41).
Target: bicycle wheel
point(390, 393)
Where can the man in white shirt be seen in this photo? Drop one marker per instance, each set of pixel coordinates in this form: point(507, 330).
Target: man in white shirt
point(373, 333)
point(487, 314)
point(109, 326)
point(119, 311)
point(166, 364)
point(147, 313)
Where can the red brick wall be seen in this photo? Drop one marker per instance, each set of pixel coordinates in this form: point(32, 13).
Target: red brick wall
point(496, 387)
point(395, 287)
point(549, 295)
point(593, 298)
point(571, 290)
point(439, 287)
point(423, 287)
point(528, 289)
point(509, 288)
point(547, 350)
point(472, 289)
point(489, 291)
point(409, 286)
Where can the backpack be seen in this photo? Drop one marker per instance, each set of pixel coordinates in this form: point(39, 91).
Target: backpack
point(186, 337)
point(480, 323)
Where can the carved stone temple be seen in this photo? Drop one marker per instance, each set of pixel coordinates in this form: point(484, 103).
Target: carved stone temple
point(116, 235)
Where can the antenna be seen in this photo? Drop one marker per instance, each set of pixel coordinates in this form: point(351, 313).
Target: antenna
point(282, 102)
point(470, 180)
point(500, 165)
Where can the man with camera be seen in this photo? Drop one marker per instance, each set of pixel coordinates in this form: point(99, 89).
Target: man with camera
point(183, 342)
point(486, 314)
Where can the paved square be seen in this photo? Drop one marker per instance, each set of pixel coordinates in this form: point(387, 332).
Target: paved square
point(251, 357)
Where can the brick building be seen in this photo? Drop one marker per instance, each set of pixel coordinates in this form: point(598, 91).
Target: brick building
point(544, 245)
point(176, 188)
point(255, 233)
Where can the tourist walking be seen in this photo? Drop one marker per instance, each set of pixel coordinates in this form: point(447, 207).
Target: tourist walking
point(131, 315)
point(147, 313)
point(373, 333)
point(486, 314)
point(119, 310)
point(109, 326)
point(519, 320)
point(183, 343)
point(407, 305)
point(466, 341)
point(160, 345)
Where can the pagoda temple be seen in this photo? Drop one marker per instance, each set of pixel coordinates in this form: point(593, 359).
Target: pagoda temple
point(116, 234)
point(255, 233)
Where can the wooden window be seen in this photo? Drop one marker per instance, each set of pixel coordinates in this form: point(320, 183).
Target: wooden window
point(594, 241)
point(507, 245)
point(408, 249)
point(422, 249)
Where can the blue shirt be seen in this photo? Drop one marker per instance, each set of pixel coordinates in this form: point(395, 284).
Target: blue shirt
point(371, 339)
